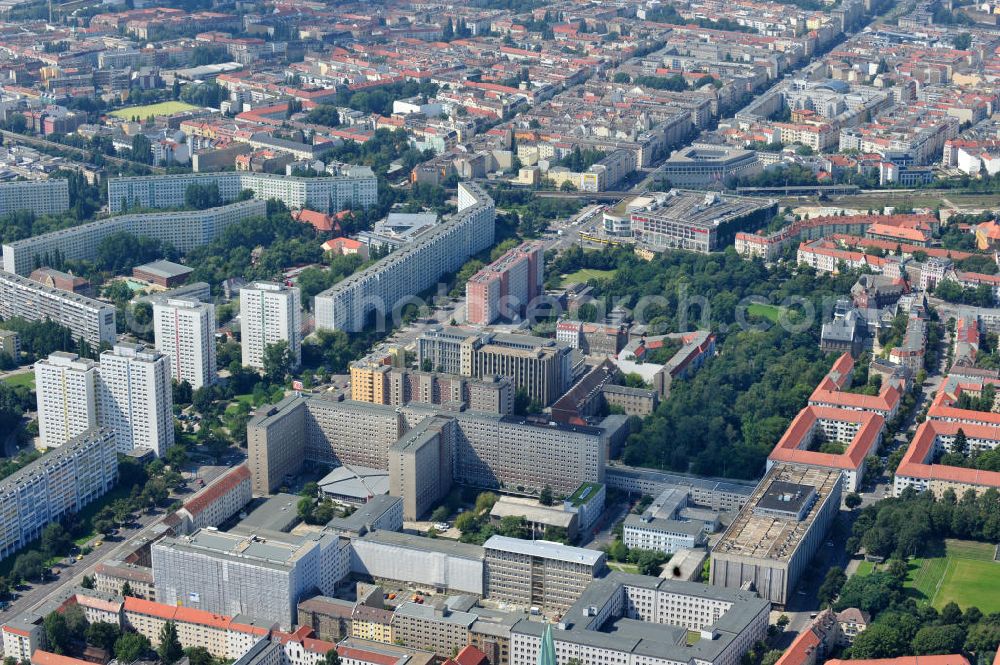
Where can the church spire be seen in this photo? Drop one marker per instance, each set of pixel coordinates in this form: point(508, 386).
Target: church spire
point(547, 652)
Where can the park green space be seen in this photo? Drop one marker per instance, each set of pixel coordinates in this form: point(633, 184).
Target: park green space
point(965, 573)
point(152, 110)
point(26, 379)
point(583, 275)
point(769, 312)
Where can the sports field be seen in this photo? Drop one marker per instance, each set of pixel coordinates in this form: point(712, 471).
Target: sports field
point(583, 275)
point(966, 574)
point(151, 110)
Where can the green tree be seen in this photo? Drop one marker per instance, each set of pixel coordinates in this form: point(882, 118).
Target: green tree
point(831, 586)
point(466, 522)
point(142, 149)
point(103, 635)
point(938, 640)
point(57, 636)
point(29, 566)
point(771, 657)
point(327, 115)
point(485, 502)
point(130, 647)
point(277, 361)
point(513, 526)
point(961, 444)
point(852, 500)
point(880, 640)
point(199, 656)
point(55, 541)
point(169, 649)
point(545, 497)
point(176, 456)
point(201, 197)
point(331, 657)
point(618, 551)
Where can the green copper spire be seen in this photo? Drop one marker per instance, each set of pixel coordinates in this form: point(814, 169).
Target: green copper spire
point(547, 652)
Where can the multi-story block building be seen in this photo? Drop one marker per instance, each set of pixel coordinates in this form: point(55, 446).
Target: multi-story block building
point(706, 165)
point(937, 435)
point(228, 573)
point(665, 535)
point(437, 563)
point(184, 230)
point(184, 330)
point(638, 619)
point(10, 343)
point(719, 495)
point(42, 197)
point(329, 617)
point(437, 629)
point(378, 383)
point(697, 221)
point(270, 313)
point(224, 497)
point(505, 287)
point(593, 339)
point(540, 366)
point(859, 433)
point(135, 398)
point(66, 391)
point(778, 531)
point(538, 573)
point(111, 575)
point(357, 187)
point(58, 484)
point(88, 319)
point(488, 450)
point(833, 392)
point(382, 289)
point(420, 465)
point(771, 246)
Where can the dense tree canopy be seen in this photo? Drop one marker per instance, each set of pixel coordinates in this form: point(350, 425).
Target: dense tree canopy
point(727, 417)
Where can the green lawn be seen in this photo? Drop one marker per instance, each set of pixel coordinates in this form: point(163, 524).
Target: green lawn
point(968, 583)
point(24, 379)
point(769, 312)
point(624, 567)
point(234, 404)
point(152, 110)
point(585, 274)
point(966, 574)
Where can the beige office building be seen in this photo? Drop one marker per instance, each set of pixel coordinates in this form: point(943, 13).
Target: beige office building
point(538, 573)
point(420, 465)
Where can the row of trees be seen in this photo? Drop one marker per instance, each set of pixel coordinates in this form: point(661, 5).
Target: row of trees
point(952, 291)
point(40, 338)
point(915, 524)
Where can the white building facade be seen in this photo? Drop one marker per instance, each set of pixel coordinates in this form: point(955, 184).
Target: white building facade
point(269, 313)
point(184, 330)
point(66, 391)
point(135, 397)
